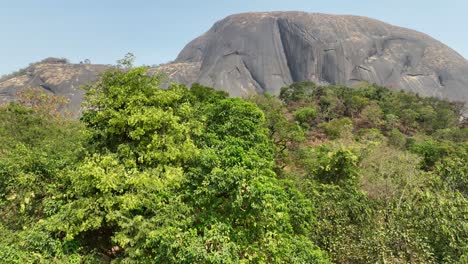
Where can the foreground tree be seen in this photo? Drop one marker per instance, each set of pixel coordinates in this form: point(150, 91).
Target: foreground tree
point(180, 176)
point(37, 143)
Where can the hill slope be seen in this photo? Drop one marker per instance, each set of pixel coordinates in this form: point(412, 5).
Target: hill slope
point(52, 75)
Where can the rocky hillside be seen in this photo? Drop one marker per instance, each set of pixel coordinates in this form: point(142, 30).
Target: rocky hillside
point(52, 75)
point(262, 52)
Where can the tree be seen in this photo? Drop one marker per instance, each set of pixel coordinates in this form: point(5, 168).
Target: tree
point(331, 182)
point(355, 104)
point(431, 151)
point(37, 143)
point(454, 169)
point(372, 115)
point(305, 115)
point(285, 135)
point(297, 92)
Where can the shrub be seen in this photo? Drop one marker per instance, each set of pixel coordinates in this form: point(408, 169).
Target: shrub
point(396, 138)
point(337, 127)
point(370, 135)
point(305, 115)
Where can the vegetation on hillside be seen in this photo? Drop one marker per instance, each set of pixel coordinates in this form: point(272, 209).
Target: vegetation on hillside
point(320, 174)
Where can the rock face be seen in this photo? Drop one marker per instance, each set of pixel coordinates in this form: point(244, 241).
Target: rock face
point(262, 52)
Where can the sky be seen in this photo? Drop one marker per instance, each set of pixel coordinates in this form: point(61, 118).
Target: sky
point(103, 31)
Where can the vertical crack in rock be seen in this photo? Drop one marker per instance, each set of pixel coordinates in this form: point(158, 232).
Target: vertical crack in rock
point(283, 45)
point(257, 82)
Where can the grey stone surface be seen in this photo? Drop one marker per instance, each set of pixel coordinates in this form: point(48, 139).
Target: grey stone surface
point(261, 52)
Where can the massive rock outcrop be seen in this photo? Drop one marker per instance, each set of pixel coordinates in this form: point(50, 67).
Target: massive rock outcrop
point(262, 52)
point(259, 52)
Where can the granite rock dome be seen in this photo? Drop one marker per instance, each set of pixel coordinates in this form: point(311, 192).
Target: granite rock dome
point(261, 52)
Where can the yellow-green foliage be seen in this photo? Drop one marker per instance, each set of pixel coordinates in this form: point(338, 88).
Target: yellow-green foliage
point(319, 174)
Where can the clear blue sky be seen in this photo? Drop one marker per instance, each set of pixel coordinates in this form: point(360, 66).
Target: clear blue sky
point(155, 31)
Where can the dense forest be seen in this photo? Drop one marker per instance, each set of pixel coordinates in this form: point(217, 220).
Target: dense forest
point(318, 174)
